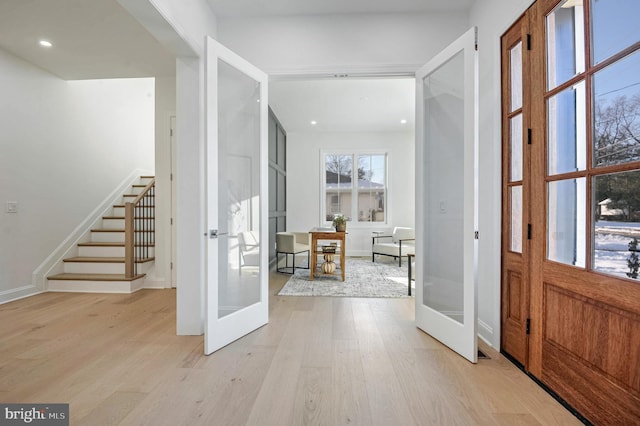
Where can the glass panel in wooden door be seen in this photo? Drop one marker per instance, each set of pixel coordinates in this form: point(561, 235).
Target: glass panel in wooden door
point(514, 279)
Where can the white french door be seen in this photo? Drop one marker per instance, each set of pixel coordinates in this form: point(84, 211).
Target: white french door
point(236, 290)
point(446, 196)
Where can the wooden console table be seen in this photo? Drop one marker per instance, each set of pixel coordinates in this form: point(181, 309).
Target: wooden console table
point(316, 251)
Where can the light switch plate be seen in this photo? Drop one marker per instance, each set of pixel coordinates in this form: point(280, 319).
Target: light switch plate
point(12, 207)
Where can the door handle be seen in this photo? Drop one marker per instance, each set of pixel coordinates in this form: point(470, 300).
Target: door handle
point(213, 234)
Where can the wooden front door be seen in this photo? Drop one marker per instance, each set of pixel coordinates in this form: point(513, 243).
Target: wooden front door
point(576, 275)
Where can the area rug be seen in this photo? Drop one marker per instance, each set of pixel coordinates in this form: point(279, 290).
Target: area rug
point(363, 278)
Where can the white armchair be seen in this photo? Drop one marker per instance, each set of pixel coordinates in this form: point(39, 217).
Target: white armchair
point(399, 244)
point(249, 249)
point(291, 243)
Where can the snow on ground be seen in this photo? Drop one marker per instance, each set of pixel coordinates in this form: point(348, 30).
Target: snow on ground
point(612, 246)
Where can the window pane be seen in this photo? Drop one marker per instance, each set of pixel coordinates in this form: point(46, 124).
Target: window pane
point(516, 148)
point(338, 172)
point(616, 98)
point(617, 224)
point(516, 77)
point(516, 219)
point(566, 127)
point(565, 42)
point(566, 221)
point(371, 188)
point(614, 26)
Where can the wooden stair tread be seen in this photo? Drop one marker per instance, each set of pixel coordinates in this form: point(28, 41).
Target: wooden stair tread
point(94, 277)
point(110, 244)
point(101, 244)
point(86, 259)
point(122, 217)
point(117, 230)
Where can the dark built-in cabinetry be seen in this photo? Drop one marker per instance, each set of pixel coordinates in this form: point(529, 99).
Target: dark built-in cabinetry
point(277, 182)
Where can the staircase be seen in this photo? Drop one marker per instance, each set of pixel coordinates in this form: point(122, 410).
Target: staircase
point(120, 250)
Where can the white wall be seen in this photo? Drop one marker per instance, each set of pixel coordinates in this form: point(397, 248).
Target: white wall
point(493, 18)
point(182, 28)
point(165, 108)
point(304, 175)
point(64, 147)
point(340, 43)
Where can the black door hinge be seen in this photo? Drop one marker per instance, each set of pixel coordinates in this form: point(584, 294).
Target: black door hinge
point(528, 136)
point(528, 326)
point(528, 41)
point(528, 231)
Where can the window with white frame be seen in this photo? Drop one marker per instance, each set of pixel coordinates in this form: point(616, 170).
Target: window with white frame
point(355, 186)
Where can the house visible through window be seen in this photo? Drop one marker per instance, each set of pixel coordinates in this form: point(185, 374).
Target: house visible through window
point(359, 193)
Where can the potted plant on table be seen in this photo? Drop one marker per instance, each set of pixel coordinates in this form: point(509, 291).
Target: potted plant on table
point(340, 223)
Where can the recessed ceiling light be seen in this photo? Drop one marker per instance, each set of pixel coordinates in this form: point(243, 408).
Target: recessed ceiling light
point(314, 122)
point(403, 121)
point(45, 43)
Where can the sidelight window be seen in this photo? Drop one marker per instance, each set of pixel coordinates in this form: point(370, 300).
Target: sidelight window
point(593, 135)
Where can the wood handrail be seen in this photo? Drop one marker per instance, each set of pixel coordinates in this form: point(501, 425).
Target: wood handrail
point(130, 220)
point(144, 191)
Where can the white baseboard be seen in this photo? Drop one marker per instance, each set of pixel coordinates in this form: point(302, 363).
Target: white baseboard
point(18, 293)
point(485, 332)
point(157, 283)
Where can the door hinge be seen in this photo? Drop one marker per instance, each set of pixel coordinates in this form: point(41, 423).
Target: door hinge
point(528, 326)
point(528, 136)
point(170, 132)
point(477, 235)
point(171, 176)
point(528, 41)
point(528, 231)
point(171, 221)
point(171, 265)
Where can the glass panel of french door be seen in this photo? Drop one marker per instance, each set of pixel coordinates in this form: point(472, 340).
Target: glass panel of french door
point(236, 157)
point(446, 167)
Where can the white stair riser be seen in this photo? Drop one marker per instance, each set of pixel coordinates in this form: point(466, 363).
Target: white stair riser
point(101, 268)
point(119, 211)
point(115, 237)
point(129, 199)
point(113, 223)
point(96, 286)
point(107, 237)
point(119, 224)
point(93, 251)
point(96, 251)
point(93, 268)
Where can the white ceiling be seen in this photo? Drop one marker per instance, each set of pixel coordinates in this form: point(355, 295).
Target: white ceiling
point(332, 7)
point(99, 39)
point(344, 105)
point(91, 39)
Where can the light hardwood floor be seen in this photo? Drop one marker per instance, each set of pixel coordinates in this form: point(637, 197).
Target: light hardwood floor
point(319, 361)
